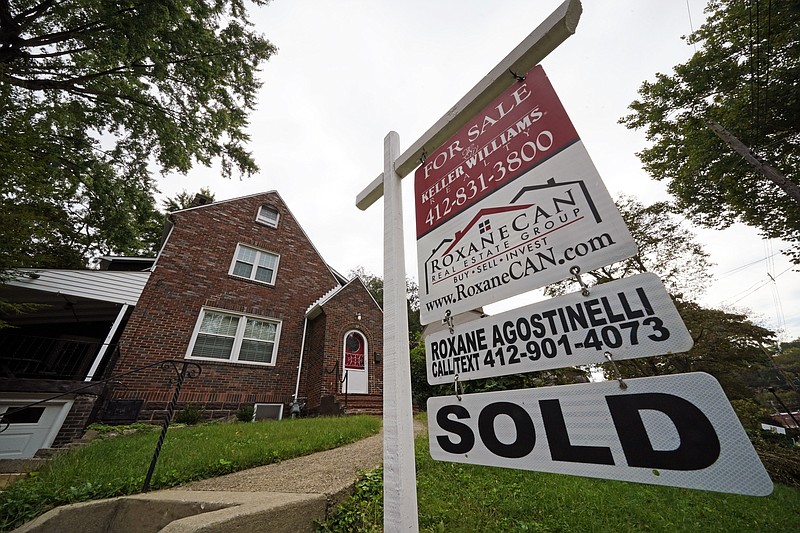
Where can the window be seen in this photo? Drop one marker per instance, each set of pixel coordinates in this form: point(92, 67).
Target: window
point(268, 215)
point(354, 351)
point(254, 264)
point(238, 338)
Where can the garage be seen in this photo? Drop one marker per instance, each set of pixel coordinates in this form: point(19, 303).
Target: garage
point(24, 432)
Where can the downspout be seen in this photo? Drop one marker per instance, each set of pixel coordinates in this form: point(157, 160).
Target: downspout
point(300, 365)
point(99, 358)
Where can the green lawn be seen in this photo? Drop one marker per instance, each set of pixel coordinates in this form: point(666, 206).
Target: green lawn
point(452, 497)
point(466, 498)
point(117, 466)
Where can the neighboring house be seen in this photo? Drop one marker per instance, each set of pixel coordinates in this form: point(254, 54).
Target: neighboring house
point(61, 346)
point(237, 288)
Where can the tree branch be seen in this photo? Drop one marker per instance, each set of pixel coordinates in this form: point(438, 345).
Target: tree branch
point(25, 18)
point(58, 54)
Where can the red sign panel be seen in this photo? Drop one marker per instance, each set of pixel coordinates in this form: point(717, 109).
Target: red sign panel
point(520, 129)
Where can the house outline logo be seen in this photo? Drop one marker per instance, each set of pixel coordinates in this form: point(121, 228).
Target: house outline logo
point(515, 205)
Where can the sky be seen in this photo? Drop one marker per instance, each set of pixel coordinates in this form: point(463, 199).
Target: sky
point(348, 72)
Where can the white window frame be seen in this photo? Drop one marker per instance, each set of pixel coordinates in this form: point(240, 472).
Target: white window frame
point(252, 276)
point(237, 341)
point(266, 221)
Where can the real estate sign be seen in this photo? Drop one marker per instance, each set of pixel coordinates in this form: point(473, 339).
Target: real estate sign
point(676, 430)
point(628, 318)
point(511, 203)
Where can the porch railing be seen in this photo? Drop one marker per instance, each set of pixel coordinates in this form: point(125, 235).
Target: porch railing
point(24, 356)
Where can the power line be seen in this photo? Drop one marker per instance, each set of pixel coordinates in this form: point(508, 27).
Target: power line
point(760, 286)
point(742, 267)
point(691, 26)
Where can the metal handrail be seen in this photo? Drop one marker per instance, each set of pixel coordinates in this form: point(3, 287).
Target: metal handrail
point(188, 369)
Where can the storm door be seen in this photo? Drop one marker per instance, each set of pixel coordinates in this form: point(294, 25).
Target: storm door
point(355, 364)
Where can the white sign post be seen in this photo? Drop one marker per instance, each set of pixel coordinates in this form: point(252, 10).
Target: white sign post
point(400, 509)
point(400, 481)
point(627, 318)
point(677, 430)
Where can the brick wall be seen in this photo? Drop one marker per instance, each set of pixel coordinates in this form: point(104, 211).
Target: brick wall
point(313, 362)
point(192, 272)
point(75, 423)
point(342, 316)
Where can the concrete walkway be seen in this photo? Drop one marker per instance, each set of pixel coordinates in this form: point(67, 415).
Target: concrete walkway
point(284, 497)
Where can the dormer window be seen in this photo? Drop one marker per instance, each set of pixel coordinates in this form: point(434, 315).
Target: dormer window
point(268, 216)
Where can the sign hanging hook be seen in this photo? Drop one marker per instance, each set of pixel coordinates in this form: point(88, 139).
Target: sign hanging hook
point(448, 320)
point(576, 271)
point(516, 76)
point(610, 357)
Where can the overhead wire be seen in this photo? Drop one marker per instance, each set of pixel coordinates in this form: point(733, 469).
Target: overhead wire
point(742, 267)
point(691, 25)
point(761, 285)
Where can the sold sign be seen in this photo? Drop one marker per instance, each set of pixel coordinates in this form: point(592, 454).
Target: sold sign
point(676, 430)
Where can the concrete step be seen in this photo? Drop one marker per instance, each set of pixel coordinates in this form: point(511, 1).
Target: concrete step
point(13, 466)
point(176, 511)
point(8, 479)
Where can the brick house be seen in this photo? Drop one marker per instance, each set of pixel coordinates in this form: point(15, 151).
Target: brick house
point(239, 289)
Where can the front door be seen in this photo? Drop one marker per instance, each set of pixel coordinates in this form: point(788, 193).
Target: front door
point(356, 364)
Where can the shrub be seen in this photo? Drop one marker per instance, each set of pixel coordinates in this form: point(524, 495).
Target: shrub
point(245, 413)
point(189, 415)
point(361, 511)
point(781, 461)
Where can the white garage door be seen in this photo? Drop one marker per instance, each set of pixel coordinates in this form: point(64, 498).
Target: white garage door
point(22, 433)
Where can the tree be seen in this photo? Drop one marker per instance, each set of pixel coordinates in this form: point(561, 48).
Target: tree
point(726, 345)
point(184, 199)
point(374, 285)
point(666, 247)
point(94, 95)
point(744, 78)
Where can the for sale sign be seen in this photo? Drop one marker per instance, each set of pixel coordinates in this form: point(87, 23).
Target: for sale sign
point(677, 430)
point(628, 318)
point(511, 203)
point(521, 128)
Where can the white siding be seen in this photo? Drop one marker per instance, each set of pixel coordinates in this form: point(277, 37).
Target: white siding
point(108, 286)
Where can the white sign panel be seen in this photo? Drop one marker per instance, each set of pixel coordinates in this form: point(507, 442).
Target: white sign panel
point(524, 236)
point(632, 317)
point(510, 203)
point(677, 430)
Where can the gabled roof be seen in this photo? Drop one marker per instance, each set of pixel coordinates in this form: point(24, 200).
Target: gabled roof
point(316, 308)
point(339, 278)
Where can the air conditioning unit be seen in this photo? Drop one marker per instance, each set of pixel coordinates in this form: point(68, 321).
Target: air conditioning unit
point(267, 411)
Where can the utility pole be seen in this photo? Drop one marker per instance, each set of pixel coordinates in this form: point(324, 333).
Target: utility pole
point(769, 172)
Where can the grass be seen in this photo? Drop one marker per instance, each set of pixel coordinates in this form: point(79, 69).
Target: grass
point(455, 497)
point(451, 497)
point(117, 466)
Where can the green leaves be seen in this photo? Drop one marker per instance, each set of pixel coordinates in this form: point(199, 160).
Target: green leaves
point(743, 76)
point(94, 95)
